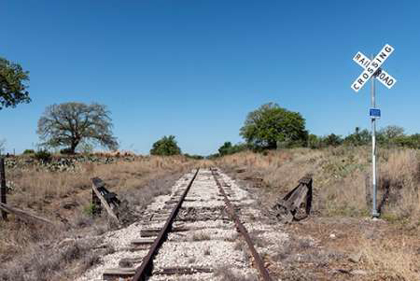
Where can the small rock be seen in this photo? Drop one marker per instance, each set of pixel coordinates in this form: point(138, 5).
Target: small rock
point(333, 236)
point(358, 272)
point(341, 270)
point(355, 257)
point(69, 205)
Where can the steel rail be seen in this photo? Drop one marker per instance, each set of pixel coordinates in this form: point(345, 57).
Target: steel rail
point(146, 267)
point(241, 228)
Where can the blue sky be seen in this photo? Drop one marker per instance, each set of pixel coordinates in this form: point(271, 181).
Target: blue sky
point(195, 68)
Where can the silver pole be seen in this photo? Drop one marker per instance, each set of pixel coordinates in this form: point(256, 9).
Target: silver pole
point(373, 121)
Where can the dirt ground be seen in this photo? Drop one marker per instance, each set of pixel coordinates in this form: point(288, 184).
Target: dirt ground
point(350, 249)
point(341, 247)
point(339, 240)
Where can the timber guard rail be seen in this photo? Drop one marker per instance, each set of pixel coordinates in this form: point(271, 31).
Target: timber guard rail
point(287, 208)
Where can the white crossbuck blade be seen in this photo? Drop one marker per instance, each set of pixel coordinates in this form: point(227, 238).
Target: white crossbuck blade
point(371, 67)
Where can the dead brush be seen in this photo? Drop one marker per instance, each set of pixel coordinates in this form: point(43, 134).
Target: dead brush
point(399, 178)
point(390, 258)
point(339, 177)
point(24, 248)
point(43, 262)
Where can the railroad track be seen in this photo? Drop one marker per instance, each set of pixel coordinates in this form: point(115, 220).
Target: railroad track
point(196, 235)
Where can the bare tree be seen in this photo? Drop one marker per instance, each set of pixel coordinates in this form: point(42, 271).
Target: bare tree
point(69, 124)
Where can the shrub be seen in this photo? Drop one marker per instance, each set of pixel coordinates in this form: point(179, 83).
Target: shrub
point(66, 151)
point(90, 209)
point(194, 156)
point(166, 146)
point(29, 151)
point(227, 148)
point(332, 140)
point(43, 155)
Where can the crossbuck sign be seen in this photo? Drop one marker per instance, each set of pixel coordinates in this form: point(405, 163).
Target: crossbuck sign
point(372, 68)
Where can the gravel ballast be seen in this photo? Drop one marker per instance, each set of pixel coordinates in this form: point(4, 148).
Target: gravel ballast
point(208, 238)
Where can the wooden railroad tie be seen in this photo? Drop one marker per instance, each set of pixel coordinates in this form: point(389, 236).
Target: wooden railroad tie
point(128, 272)
point(287, 207)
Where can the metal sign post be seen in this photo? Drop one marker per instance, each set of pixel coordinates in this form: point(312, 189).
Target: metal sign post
point(373, 121)
point(372, 69)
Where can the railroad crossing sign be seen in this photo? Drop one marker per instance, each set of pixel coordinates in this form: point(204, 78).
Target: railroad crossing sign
point(372, 68)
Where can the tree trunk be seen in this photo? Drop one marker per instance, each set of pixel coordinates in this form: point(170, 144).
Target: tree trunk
point(73, 146)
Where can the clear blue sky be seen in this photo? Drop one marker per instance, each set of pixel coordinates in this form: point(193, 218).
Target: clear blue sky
point(195, 68)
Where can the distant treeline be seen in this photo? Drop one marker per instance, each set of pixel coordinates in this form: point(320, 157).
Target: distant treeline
point(390, 136)
point(272, 127)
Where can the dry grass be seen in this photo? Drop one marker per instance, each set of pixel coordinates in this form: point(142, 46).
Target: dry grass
point(65, 196)
point(339, 177)
point(391, 259)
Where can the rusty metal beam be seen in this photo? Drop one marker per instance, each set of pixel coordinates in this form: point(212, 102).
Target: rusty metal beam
point(241, 228)
point(146, 267)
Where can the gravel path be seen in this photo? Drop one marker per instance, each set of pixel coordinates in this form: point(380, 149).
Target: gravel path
point(209, 239)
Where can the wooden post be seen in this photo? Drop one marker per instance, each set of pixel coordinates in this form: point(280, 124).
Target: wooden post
point(3, 187)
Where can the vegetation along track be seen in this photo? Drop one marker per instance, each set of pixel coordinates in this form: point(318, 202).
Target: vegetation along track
point(196, 235)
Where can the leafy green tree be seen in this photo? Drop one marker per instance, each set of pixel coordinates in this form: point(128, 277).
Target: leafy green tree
point(227, 148)
point(314, 141)
point(392, 132)
point(194, 156)
point(332, 140)
point(166, 146)
point(411, 141)
point(414, 141)
point(28, 151)
point(359, 137)
point(70, 124)
point(270, 126)
point(391, 135)
point(13, 84)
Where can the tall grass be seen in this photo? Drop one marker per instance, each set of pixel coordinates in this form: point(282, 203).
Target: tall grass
point(341, 177)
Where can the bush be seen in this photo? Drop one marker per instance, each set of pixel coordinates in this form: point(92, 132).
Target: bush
point(359, 137)
point(194, 156)
point(90, 209)
point(43, 156)
point(332, 140)
point(29, 151)
point(66, 151)
point(166, 146)
point(227, 148)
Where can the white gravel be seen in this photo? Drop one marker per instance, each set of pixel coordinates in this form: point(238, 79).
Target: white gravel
point(120, 239)
point(211, 243)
